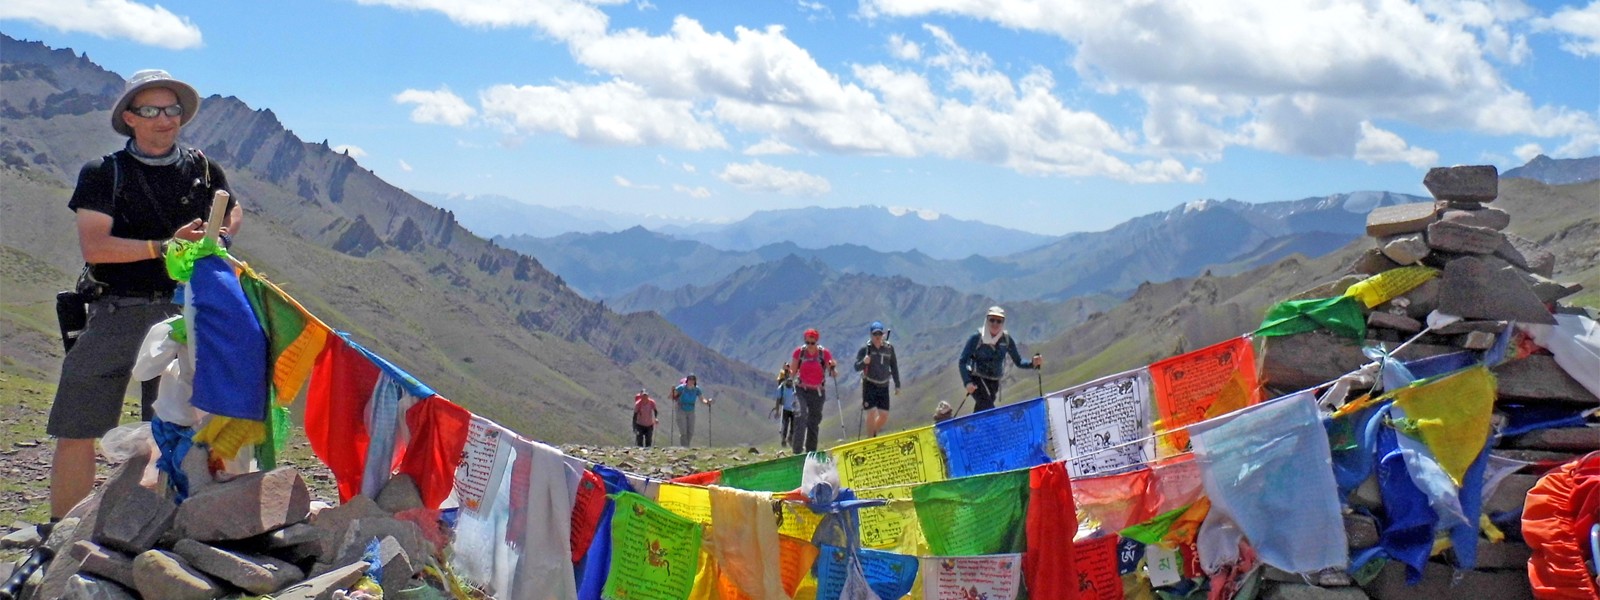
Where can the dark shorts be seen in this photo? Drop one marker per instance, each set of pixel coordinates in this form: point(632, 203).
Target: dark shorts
point(874, 396)
point(95, 374)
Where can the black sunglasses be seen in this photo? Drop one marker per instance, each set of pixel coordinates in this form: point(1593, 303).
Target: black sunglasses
point(994, 320)
point(877, 333)
point(151, 112)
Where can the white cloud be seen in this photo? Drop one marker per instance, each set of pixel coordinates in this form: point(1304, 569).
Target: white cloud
point(693, 192)
point(1579, 27)
point(688, 168)
point(611, 113)
point(405, 166)
point(770, 146)
point(1293, 76)
point(903, 49)
point(151, 25)
point(1380, 146)
point(624, 182)
point(354, 151)
point(1526, 152)
point(439, 107)
point(764, 178)
point(561, 19)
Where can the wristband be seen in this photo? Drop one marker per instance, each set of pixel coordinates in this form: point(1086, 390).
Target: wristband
point(151, 246)
point(227, 240)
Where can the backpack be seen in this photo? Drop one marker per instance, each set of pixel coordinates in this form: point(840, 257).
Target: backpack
point(644, 409)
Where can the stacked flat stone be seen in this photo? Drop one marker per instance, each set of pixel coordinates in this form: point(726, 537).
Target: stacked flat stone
point(1490, 278)
point(254, 534)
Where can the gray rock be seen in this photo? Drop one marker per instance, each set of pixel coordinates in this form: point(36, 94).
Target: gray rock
point(1463, 239)
point(1511, 494)
point(1441, 582)
point(1467, 183)
point(1505, 555)
point(1476, 340)
point(1538, 379)
point(293, 535)
point(255, 574)
point(1470, 289)
point(1527, 255)
point(197, 467)
point(1361, 531)
point(1385, 221)
point(1406, 249)
point(1565, 439)
point(332, 523)
point(397, 565)
point(399, 494)
point(23, 538)
point(161, 575)
point(1400, 323)
point(1297, 362)
point(132, 518)
point(89, 588)
point(323, 586)
point(1301, 591)
point(1467, 326)
point(360, 531)
point(246, 506)
point(101, 562)
point(1492, 218)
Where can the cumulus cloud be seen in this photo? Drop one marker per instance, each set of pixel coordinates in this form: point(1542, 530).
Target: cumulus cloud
point(770, 146)
point(904, 49)
point(1527, 152)
point(353, 151)
point(438, 107)
point(693, 192)
point(151, 25)
point(1379, 146)
point(1579, 28)
point(624, 182)
point(404, 166)
point(1212, 79)
point(612, 113)
point(561, 19)
point(764, 178)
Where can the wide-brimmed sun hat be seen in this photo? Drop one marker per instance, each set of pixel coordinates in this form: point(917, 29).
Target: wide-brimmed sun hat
point(995, 311)
point(151, 78)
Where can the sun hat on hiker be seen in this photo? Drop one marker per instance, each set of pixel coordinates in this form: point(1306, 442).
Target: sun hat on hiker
point(875, 327)
point(188, 98)
point(813, 334)
point(995, 311)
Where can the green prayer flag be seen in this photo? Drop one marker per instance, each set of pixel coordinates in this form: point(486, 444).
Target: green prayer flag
point(983, 514)
point(1341, 315)
point(654, 553)
point(1154, 530)
point(778, 475)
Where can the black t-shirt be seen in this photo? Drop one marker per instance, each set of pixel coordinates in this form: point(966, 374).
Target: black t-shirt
point(148, 203)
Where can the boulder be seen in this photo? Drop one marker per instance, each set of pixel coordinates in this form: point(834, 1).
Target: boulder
point(331, 523)
point(1492, 218)
point(1538, 379)
point(1385, 221)
point(161, 575)
point(80, 587)
point(399, 494)
point(101, 562)
point(1562, 439)
point(1527, 255)
point(1470, 289)
point(1465, 183)
point(132, 518)
point(246, 506)
point(1448, 236)
point(1400, 323)
point(1406, 249)
point(255, 574)
point(323, 586)
point(1443, 582)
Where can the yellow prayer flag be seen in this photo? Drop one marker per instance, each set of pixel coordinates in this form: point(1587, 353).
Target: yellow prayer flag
point(1453, 415)
point(687, 501)
point(1384, 286)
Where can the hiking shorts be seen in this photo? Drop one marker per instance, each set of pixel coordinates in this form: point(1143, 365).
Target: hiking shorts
point(874, 396)
point(95, 373)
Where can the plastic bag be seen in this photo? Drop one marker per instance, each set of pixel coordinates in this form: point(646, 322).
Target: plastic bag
point(128, 441)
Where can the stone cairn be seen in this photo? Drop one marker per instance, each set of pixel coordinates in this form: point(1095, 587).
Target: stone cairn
point(246, 536)
point(1489, 278)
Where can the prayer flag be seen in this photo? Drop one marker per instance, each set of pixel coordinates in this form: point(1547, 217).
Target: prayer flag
point(654, 553)
point(1049, 563)
point(1205, 383)
point(1452, 415)
point(230, 377)
point(1339, 314)
point(1001, 439)
point(1269, 469)
point(294, 339)
point(983, 514)
point(1104, 425)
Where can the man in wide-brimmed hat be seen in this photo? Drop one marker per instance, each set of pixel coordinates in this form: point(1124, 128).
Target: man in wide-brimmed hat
point(128, 204)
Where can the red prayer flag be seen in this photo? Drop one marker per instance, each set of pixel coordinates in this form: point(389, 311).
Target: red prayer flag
point(1052, 522)
point(341, 385)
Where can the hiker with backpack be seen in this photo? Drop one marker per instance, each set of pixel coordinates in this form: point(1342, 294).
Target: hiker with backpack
point(687, 394)
point(982, 361)
point(878, 366)
point(785, 401)
point(812, 364)
point(129, 205)
point(645, 417)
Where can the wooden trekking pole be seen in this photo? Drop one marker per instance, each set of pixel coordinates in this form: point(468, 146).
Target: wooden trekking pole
point(1039, 373)
point(219, 213)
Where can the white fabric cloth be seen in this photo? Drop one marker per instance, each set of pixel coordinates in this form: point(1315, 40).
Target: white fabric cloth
point(545, 570)
point(1575, 342)
point(746, 541)
point(161, 356)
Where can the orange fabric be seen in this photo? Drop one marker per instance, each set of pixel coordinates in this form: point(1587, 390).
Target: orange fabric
point(706, 478)
point(1555, 522)
point(341, 384)
point(1205, 383)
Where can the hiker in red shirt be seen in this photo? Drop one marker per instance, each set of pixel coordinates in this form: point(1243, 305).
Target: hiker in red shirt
point(644, 419)
point(812, 364)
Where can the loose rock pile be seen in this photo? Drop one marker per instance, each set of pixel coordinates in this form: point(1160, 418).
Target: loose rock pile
point(248, 535)
point(1489, 278)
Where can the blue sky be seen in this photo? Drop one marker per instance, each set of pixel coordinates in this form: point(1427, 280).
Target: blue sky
point(1044, 115)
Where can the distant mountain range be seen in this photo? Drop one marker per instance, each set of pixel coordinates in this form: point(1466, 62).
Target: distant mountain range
point(1557, 171)
point(1224, 236)
point(489, 328)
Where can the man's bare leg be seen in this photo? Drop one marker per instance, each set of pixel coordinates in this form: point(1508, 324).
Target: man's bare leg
point(71, 474)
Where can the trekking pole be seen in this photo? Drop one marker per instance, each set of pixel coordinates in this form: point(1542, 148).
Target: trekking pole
point(711, 435)
point(839, 403)
point(958, 406)
point(1039, 373)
